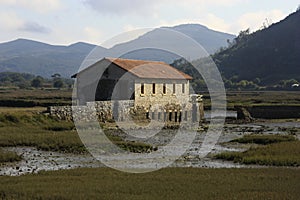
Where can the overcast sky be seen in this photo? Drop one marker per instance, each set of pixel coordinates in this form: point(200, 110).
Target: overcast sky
point(95, 21)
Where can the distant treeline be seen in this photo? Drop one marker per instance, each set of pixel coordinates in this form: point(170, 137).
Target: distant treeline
point(25, 80)
point(233, 82)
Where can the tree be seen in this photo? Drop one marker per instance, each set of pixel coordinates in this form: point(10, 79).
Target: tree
point(56, 75)
point(257, 81)
point(243, 35)
point(58, 83)
point(37, 82)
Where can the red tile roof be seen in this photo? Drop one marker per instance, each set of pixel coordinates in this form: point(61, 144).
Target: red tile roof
point(148, 69)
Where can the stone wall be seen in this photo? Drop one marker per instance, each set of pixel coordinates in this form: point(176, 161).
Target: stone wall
point(104, 110)
point(124, 110)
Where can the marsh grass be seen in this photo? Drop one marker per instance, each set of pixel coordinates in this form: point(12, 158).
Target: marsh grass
point(8, 156)
point(264, 139)
point(34, 97)
point(263, 98)
point(51, 134)
point(170, 183)
point(274, 150)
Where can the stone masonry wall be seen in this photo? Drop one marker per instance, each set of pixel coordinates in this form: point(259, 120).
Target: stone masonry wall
point(125, 109)
point(105, 111)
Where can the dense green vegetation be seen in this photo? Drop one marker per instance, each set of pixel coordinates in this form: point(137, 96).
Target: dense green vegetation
point(170, 183)
point(273, 150)
point(270, 54)
point(232, 82)
point(28, 81)
point(264, 60)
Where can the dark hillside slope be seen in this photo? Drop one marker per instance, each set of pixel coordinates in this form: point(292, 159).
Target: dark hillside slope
point(271, 54)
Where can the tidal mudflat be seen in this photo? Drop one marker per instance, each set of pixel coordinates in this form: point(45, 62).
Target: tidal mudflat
point(34, 160)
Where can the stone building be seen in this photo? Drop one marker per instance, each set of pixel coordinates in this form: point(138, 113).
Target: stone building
point(137, 88)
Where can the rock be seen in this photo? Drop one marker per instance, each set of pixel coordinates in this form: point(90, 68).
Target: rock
point(243, 114)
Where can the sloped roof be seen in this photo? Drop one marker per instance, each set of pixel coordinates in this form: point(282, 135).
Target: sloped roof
point(148, 69)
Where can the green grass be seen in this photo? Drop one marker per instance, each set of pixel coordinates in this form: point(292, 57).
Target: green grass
point(40, 131)
point(7, 156)
point(51, 134)
point(170, 183)
point(273, 150)
point(264, 139)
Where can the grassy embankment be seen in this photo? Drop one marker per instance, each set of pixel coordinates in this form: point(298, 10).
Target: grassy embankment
point(20, 128)
point(170, 183)
point(28, 127)
point(271, 150)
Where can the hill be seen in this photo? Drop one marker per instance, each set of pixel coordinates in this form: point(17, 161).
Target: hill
point(38, 58)
point(271, 54)
point(209, 39)
point(27, 56)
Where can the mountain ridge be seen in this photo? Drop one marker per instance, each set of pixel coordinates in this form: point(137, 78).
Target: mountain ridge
point(29, 56)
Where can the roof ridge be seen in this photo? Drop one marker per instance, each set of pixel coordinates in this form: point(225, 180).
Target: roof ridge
point(154, 61)
point(165, 71)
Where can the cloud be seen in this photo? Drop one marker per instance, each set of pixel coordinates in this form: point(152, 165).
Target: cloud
point(146, 7)
point(41, 6)
point(122, 7)
point(34, 27)
point(10, 21)
point(252, 20)
point(255, 20)
point(216, 23)
point(211, 2)
point(94, 35)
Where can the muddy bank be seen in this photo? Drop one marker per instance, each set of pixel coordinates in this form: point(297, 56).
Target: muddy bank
point(36, 160)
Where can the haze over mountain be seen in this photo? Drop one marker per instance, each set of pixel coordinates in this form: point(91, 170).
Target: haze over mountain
point(44, 59)
point(271, 54)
